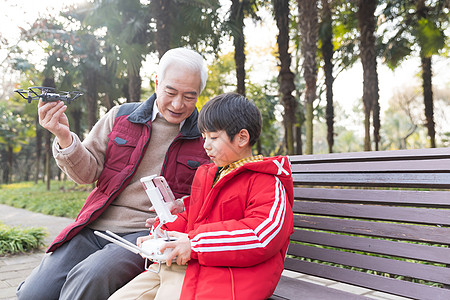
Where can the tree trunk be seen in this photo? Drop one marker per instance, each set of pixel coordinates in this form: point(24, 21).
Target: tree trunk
point(367, 24)
point(48, 157)
point(76, 113)
point(237, 17)
point(164, 18)
point(134, 86)
point(428, 99)
point(309, 35)
point(50, 82)
point(427, 85)
point(90, 82)
point(327, 53)
point(298, 137)
point(39, 131)
point(9, 167)
point(286, 77)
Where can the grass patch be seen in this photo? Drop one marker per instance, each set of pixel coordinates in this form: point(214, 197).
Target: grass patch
point(64, 199)
point(14, 240)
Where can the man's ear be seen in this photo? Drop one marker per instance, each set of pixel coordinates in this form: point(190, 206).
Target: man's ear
point(243, 138)
point(156, 82)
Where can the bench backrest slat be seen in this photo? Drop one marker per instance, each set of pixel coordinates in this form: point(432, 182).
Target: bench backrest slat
point(376, 282)
point(427, 165)
point(380, 264)
point(397, 197)
point(419, 252)
point(411, 180)
point(378, 212)
point(424, 234)
point(383, 212)
point(416, 154)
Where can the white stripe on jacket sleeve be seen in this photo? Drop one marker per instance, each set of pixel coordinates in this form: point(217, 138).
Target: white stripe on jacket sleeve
point(244, 239)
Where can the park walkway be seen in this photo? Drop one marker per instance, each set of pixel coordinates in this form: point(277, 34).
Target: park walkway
point(14, 269)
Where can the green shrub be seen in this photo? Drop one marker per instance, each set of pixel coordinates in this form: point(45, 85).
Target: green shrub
point(14, 240)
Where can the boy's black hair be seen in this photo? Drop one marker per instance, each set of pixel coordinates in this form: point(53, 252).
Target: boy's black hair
point(231, 112)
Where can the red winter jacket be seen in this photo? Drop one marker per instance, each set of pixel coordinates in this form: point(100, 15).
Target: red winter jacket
point(128, 141)
point(239, 230)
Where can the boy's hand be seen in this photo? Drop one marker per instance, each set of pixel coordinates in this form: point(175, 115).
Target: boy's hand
point(150, 221)
point(181, 248)
point(175, 207)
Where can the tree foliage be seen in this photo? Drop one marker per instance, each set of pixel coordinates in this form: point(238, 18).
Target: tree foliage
point(106, 49)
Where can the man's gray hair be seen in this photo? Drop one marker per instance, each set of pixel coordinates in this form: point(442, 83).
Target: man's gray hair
point(187, 58)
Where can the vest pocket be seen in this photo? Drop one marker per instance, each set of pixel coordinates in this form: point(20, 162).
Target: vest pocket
point(120, 150)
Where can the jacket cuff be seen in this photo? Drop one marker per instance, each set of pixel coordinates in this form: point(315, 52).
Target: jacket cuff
point(194, 255)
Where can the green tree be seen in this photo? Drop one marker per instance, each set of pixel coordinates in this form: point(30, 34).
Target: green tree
point(418, 28)
point(220, 79)
point(266, 98)
point(127, 39)
point(308, 23)
point(239, 10)
point(285, 76)
point(326, 49)
point(368, 55)
point(181, 23)
point(15, 131)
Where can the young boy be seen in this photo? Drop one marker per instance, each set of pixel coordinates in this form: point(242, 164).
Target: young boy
point(235, 230)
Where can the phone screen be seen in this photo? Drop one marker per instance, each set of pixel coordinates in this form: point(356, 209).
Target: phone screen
point(161, 183)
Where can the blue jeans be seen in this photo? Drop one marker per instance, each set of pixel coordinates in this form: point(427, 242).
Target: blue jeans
point(86, 267)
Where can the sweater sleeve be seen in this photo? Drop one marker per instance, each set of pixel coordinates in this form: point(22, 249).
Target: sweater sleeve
point(85, 163)
point(259, 235)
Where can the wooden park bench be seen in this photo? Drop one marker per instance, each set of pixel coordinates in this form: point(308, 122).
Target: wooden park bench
point(377, 220)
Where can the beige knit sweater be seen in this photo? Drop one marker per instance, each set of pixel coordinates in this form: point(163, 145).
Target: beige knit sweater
point(128, 212)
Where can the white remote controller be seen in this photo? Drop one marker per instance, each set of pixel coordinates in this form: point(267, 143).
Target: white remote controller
point(150, 248)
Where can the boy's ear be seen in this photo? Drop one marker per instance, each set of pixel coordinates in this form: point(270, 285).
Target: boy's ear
point(243, 138)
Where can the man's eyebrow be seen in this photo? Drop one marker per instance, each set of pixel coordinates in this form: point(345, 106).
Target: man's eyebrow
point(193, 93)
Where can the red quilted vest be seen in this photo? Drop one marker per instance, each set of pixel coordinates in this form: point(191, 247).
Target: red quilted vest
point(127, 144)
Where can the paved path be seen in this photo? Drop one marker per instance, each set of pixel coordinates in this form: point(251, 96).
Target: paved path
point(14, 269)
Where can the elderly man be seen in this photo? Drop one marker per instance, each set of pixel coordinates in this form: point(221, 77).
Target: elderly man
point(133, 140)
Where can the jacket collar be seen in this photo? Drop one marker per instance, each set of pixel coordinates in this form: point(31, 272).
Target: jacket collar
point(143, 114)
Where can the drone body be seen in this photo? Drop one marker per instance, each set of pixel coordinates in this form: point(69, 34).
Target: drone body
point(47, 94)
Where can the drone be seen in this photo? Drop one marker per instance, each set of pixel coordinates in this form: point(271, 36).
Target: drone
point(48, 94)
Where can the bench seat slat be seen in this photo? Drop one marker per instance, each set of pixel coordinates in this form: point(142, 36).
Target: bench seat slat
point(403, 197)
point(384, 247)
point(425, 234)
point(430, 165)
point(411, 154)
point(385, 284)
point(377, 212)
point(290, 288)
point(437, 274)
point(412, 180)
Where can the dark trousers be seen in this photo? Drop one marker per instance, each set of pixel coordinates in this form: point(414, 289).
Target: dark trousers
point(86, 267)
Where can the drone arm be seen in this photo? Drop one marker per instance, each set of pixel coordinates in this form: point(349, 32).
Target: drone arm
point(32, 91)
point(20, 92)
point(77, 95)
